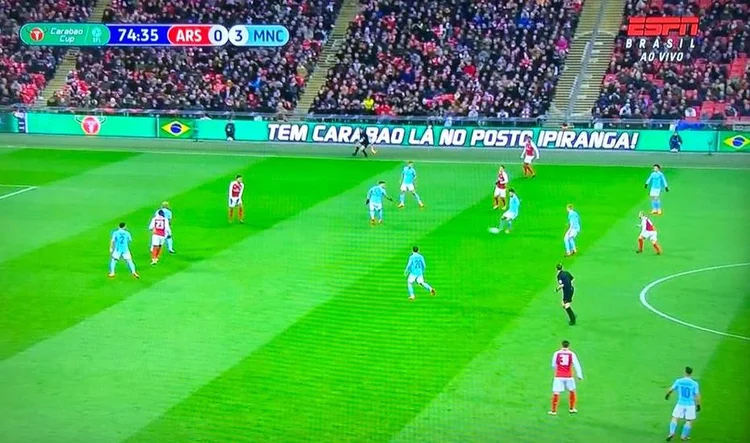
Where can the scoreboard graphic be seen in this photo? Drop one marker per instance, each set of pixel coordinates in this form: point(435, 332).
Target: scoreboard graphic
point(177, 35)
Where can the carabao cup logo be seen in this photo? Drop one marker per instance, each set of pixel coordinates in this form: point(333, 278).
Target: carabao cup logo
point(90, 125)
point(36, 34)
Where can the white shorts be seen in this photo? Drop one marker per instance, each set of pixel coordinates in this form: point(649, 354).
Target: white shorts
point(418, 278)
point(235, 201)
point(509, 215)
point(686, 412)
point(157, 240)
point(376, 206)
point(654, 192)
point(528, 159)
point(407, 187)
point(571, 233)
point(124, 255)
point(649, 235)
point(561, 384)
point(500, 192)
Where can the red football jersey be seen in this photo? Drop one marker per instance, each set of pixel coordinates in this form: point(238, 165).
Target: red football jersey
point(529, 149)
point(159, 226)
point(502, 180)
point(646, 225)
point(235, 189)
point(565, 362)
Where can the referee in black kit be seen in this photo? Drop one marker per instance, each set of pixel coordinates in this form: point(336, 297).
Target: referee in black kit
point(565, 283)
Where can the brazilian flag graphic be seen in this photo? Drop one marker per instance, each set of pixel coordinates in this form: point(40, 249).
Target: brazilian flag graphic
point(736, 141)
point(176, 129)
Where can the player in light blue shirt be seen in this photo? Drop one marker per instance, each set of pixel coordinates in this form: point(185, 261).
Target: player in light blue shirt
point(514, 205)
point(375, 197)
point(168, 215)
point(408, 181)
point(655, 183)
point(688, 404)
point(415, 272)
point(574, 227)
point(119, 247)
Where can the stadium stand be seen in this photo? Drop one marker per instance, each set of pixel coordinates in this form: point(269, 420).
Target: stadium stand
point(710, 83)
point(24, 71)
point(221, 79)
point(475, 58)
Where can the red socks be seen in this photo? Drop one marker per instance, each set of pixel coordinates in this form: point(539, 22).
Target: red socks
point(572, 399)
point(555, 401)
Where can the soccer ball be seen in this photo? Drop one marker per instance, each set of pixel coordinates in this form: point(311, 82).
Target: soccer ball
point(494, 230)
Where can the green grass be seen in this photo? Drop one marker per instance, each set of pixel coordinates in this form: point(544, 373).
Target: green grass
point(296, 325)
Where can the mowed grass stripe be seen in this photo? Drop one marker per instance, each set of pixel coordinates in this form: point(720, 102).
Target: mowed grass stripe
point(361, 366)
point(629, 355)
point(36, 167)
point(725, 384)
point(41, 304)
point(55, 286)
point(72, 206)
point(189, 318)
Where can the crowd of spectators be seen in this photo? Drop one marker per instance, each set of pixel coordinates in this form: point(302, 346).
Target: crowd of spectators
point(711, 81)
point(25, 70)
point(475, 58)
point(222, 79)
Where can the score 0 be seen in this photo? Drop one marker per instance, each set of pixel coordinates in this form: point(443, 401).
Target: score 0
point(218, 35)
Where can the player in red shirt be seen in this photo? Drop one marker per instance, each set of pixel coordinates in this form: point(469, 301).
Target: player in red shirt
point(648, 232)
point(500, 188)
point(566, 366)
point(236, 188)
point(160, 230)
point(530, 152)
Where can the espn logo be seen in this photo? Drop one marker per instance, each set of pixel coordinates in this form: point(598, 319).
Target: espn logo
point(662, 26)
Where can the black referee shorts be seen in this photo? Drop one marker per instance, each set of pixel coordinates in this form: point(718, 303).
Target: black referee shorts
point(567, 296)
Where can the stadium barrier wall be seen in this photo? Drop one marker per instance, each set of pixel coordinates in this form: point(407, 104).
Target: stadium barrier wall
point(164, 126)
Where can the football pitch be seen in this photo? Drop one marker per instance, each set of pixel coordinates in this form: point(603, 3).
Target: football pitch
point(296, 325)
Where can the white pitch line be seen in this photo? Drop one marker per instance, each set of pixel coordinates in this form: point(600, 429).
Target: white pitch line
point(20, 191)
point(345, 157)
point(648, 287)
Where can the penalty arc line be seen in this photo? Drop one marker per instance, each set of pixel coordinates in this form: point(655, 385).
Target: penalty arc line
point(20, 191)
point(644, 300)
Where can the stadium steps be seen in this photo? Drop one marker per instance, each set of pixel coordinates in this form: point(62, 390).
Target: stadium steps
point(587, 61)
point(327, 58)
point(69, 59)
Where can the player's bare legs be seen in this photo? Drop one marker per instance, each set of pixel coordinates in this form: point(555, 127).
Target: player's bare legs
point(572, 402)
point(499, 202)
point(686, 428)
point(656, 245)
point(155, 252)
point(555, 402)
